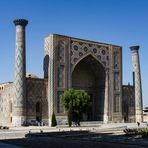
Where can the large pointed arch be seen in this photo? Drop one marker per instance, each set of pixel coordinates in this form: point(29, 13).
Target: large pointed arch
point(89, 75)
point(84, 56)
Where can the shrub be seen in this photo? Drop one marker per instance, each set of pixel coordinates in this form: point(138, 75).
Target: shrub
point(143, 132)
point(53, 120)
point(136, 131)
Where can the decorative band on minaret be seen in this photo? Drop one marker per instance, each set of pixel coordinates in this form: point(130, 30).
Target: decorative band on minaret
point(137, 84)
point(19, 107)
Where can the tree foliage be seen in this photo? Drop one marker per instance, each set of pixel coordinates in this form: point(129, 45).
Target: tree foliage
point(77, 102)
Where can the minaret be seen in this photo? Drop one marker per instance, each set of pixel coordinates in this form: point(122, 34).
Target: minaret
point(137, 84)
point(19, 104)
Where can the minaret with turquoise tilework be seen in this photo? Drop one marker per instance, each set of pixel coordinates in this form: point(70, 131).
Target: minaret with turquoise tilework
point(137, 83)
point(19, 104)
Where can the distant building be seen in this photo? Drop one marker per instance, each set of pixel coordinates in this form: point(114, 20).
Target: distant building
point(71, 63)
point(145, 114)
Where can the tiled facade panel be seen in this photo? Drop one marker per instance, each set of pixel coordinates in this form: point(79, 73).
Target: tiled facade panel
point(65, 56)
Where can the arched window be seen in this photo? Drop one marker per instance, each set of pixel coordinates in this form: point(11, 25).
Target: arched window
point(10, 107)
point(61, 46)
point(38, 107)
point(38, 111)
point(10, 103)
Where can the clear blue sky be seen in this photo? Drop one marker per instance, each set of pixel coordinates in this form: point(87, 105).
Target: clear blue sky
point(121, 22)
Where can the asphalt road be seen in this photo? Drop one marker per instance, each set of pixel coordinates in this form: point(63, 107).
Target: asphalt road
point(52, 142)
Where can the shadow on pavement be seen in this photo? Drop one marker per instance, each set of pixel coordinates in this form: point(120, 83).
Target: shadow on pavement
point(71, 139)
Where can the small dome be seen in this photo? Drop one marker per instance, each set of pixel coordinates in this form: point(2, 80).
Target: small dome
point(30, 75)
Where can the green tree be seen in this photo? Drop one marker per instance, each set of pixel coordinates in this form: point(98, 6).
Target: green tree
point(76, 102)
point(53, 120)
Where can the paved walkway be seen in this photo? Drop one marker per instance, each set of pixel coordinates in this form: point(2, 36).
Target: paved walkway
point(115, 128)
point(111, 133)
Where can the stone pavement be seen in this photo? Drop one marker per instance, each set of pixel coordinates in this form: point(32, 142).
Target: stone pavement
point(110, 133)
point(115, 128)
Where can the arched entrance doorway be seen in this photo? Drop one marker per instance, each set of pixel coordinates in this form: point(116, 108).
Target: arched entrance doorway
point(38, 111)
point(89, 75)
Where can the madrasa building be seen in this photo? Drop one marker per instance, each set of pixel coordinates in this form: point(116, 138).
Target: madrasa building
point(71, 63)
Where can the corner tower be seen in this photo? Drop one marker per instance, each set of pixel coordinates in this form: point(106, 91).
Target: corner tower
point(19, 104)
point(137, 83)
